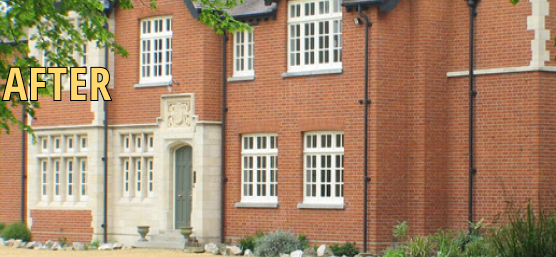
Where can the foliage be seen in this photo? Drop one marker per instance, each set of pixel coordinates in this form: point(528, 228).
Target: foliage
point(62, 241)
point(275, 243)
point(442, 243)
point(248, 242)
point(2, 226)
point(94, 244)
point(17, 230)
point(347, 249)
point(303, 241)
point(527, 234)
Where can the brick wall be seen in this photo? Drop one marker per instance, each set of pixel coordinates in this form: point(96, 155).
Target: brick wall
point(196, 58)
point(74, 225)
point(10, 174)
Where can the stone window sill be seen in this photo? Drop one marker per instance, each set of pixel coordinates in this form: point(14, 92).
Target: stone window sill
point(256, 205)
point(162, 83)
point(337, 206)
point(291, 74)
point(241, 78)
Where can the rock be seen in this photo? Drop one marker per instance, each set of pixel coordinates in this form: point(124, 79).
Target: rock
point(117, 246)
point(38, 245)
point(297, 253)
point(284, 255)
point(309, 252)
point(222, 250)
point(68, 248)
point(233, 250)
point(78, 246)
point(18, 244)
point(107, 246)
point(2, 242)
point(49, 244)
point(211, 248)
point(56, 246)
point(30, 245)
point(248, 252)
point(324, 251)
point(9, 243)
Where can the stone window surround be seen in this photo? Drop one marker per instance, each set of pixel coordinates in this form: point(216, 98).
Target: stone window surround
point(137, 149)
point(62, 151)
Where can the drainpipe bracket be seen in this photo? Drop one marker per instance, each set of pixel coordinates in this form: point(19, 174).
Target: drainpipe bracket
point(367, 101)
point(367, 179)
point(473, 93)
point(224, 179)
point(472, 170)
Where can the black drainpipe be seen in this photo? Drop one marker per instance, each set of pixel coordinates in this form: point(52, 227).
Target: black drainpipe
point(366, 102)
point(472, 93)
point(23, 159)
point(105, 155)
point(223, 138)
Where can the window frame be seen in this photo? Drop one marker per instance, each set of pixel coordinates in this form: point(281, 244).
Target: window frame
point(270, 184)
point(247, 56)
point(297, 16)
point(318, 152)
point(148, 37)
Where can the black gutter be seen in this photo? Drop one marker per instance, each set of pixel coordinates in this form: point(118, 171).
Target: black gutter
point(223, 138)
point(105, 155)
point(366, 102)
point(472, 93)
point(23, 160)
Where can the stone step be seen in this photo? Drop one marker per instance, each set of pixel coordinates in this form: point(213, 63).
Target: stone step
point(167, 237)
point(160, 244)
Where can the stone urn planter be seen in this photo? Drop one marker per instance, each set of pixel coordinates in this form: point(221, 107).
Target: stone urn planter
point(143, 231)
point(186, 232)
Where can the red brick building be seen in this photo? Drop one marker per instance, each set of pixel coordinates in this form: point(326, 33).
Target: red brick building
point(295, 123)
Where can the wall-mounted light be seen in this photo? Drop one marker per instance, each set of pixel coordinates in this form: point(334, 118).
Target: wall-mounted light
point(356, 21)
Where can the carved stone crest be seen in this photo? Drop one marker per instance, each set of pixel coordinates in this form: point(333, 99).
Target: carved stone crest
point(179, 114)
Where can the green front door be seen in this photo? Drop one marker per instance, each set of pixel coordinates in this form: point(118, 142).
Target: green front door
point(183, 187)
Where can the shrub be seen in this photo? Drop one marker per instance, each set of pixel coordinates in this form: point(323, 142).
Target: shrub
point(303, 241)
point(275, 243)
point(248, 242)
point(2, 226)
point(17, 230)
point(527, 234)
point(347, 249)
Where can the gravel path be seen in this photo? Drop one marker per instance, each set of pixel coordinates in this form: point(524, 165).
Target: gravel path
point(9, 252)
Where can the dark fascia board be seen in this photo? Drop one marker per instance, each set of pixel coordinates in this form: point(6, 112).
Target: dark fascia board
point(383, 5)
point(194, 11)
point(256, 17)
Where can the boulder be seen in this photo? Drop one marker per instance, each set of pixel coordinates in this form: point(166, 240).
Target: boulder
point(309, 252)
point(18, 244)
point(117, 246)
point(9, 243)
point(211, 248)
point(106, 246)
point(78, 246)
point(56, 246)
point(38, 245)
point(284, 255)
point(2, 242)
point(223, 250)
point(233, 250)
point(297, 253)
point(31, 245)
point(49, 244)
point(248, 252)
point(324, 251)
